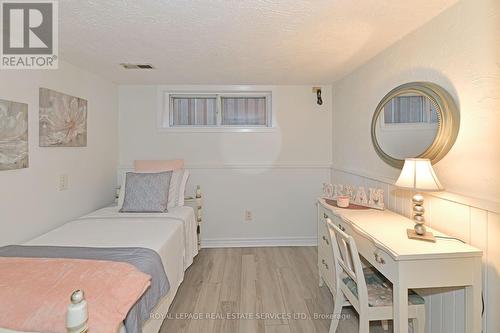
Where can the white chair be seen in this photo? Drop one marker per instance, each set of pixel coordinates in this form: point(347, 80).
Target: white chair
point(365, 289)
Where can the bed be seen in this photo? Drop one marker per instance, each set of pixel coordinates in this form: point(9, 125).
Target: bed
point(172, 235)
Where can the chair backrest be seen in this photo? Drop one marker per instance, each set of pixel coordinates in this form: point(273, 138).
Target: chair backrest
point(348, 263)
point(334, 270)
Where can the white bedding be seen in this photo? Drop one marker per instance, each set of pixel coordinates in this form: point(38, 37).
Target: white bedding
point(172, 235)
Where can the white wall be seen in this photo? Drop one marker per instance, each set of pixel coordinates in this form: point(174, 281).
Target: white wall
point(276, 174)
point(458, 50)
point(30, 203)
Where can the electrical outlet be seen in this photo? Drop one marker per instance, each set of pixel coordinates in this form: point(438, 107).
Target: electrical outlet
point(63, 182)
point(248, 216)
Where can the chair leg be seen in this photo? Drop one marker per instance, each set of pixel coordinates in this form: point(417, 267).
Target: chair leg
point(364, 324)
point(385, 325)
point(419, 322)
point(337, 311)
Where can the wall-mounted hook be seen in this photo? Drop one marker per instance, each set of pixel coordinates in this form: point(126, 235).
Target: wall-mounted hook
point(317, 91)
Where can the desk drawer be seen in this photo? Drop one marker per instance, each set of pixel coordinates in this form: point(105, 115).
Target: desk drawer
point(337, 220)
point(326, 270)
point(377, 257)
point(325, 255)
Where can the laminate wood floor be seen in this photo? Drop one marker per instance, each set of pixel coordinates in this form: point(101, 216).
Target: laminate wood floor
point(255, 290)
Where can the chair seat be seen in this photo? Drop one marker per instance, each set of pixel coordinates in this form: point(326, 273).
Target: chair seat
point(379, 289)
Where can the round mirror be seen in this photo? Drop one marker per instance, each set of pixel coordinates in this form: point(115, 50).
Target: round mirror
point(407, 125)
point(418, 119)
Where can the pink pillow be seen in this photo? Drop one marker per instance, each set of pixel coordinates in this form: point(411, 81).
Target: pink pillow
point(158, 166)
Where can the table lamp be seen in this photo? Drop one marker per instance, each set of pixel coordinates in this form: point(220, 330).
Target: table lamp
point(417, 174)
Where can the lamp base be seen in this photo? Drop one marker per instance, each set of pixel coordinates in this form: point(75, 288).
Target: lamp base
point(427, 236)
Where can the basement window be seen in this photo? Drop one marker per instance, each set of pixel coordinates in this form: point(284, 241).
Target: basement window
point(217, 111)
point(410, 110)
point(193, 110)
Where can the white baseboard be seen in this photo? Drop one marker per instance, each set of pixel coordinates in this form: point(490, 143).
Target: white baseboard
point(259, 242)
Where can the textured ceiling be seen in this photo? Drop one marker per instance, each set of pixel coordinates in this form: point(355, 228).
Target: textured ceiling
point(234, 42)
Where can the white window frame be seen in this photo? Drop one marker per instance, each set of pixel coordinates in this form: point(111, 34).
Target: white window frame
point(165, 111)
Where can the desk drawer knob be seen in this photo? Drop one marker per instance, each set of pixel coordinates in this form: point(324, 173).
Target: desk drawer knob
point(326, 240)
point(325, 216)
point(379, 259)
point(341, 227)
point(324, 263)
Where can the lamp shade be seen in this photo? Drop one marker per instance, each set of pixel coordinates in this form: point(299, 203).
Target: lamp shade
point(418, 174)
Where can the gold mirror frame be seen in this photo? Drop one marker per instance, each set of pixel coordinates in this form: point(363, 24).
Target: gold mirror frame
point(448, 114)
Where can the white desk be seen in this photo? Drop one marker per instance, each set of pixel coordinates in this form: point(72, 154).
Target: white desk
point(409, 264)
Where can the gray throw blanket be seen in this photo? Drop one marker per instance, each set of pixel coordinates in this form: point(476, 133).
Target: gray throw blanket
point(145, 260)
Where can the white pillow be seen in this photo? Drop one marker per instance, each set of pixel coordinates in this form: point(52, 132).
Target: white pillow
point(182, 188)
point(173, 190)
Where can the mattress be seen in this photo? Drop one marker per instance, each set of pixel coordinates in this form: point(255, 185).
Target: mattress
point(172, 235)
point(184, 214)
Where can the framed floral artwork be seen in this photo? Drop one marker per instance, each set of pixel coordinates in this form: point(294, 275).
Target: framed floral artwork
point(13, 135)
point(63, 120)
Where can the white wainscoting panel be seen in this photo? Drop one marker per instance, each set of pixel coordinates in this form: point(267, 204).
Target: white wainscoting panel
point(473, 224)
point(493, 273)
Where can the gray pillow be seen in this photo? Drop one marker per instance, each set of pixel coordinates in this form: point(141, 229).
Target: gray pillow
point(146, 192)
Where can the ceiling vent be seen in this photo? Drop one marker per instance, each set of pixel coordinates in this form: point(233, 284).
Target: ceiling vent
point(137, 66)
